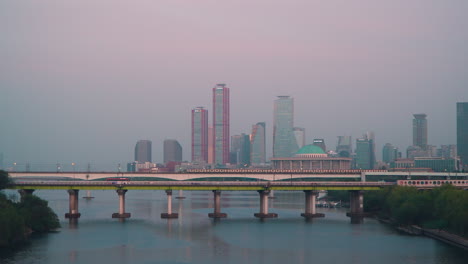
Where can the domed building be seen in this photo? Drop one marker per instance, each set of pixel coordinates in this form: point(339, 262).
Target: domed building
point(311, 157)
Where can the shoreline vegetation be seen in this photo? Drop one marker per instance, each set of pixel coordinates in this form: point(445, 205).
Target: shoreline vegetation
point(20, 219)
point(441, 213)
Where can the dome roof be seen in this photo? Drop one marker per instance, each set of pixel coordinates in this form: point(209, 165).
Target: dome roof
point(310, 149)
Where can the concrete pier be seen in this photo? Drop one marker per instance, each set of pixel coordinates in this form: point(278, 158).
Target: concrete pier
point(356, 204)
point(169, 213)
point(310, 211)
point(121, 213)
point(24, 192)
point(73, 205)
point(181, 195)
point(217, 206)
point(264, 206)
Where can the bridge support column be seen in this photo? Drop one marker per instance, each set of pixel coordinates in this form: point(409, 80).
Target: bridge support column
point(24, 192)
point(310, 212)
point(121, 213)
point(356, 205)
point(169, 213)
point(217, 206)
point(73, 205)
point(264, 206)
point(181, 195)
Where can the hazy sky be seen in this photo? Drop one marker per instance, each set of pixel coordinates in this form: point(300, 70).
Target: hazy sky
point(82, 81)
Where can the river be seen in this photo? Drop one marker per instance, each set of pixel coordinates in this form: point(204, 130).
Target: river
point(240, 238)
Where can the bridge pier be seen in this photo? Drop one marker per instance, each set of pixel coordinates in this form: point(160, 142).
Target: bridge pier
point(217, 206)
point(310, 211)
point(73, 205)
point(264, 206)
point(181, 195)
point(356, 206)
point(169, 213)
point(121, 213)
point(24, 192)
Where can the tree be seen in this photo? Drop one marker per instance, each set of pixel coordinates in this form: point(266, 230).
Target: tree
point(4, 179)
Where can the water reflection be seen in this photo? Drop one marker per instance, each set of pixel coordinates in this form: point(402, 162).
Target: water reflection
point(240, 238)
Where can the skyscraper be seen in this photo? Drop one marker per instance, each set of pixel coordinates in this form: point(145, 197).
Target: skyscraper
point(143, 151)
point(258, 144)
point(420, 131)
point(172, 151)
point(299, 135)
point(320, 142)
point(199, 135)
point(462, 133)
point(240, 150)
point(221, 124)
point(344, 148)
point(389, 153)
point(284, 142)
point(365, 152)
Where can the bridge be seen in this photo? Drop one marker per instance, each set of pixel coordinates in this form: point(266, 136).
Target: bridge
point(251, 175)
point(262, 181)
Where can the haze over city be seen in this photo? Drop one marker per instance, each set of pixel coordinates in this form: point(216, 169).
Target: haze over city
point(83, 81)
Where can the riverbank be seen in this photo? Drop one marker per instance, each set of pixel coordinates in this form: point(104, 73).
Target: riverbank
point(440, 235)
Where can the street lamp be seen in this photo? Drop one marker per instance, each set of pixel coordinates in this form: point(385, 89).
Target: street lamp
point(14, 166)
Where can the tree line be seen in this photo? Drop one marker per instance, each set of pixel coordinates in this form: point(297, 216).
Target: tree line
point(444, 208)
point(18, 219)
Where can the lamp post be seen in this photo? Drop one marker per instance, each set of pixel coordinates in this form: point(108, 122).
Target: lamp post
point(14, 166)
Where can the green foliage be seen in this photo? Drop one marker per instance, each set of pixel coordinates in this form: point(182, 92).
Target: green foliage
point(37, 214)
point(442, 208)
point(4, 179)
point(17, 219)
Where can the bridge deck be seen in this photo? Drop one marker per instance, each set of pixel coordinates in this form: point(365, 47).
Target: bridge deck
point(198, 185)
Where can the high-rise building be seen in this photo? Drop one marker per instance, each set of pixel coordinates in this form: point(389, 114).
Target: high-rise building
point(344, 146)
point(172, 151)
point(389, 153)
point(240, 150)
point(447, 151)
point(462, 133)
point(258, 144)
point(365, 154)
point(143, 151)
point(320, 142)
point(221, 124)
point(420, 131)
point(299, 135)
point(284, 142)
point(210, 145)
point(199, 135)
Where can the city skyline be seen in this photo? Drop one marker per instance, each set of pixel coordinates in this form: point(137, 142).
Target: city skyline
point(85, 92)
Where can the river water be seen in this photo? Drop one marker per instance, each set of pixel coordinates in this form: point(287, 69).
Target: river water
point(240, 238)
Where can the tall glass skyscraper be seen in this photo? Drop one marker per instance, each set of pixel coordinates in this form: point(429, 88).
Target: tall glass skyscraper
point(462, 133)
point(199, 135)
point(143, 151)
point(258, 144)
point(221, 124)
point(420, 131)
point(365, 152)
point(284, 141)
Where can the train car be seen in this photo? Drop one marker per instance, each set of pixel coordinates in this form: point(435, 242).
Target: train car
point(118, 179)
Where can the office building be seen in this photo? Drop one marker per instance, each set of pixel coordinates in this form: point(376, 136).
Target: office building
point(172, 151)
point(284, 142)
point(420, 131)
point(365, 155)
point(199, 135)
point(299, 135)
point(143, 151)
point(447, 151)
point(462, 133)
point(389, 153)
point(210, 145)
point(240, 150)
point(344, 146)
point(258, 144)
point(221, 124)
point(320, 142)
